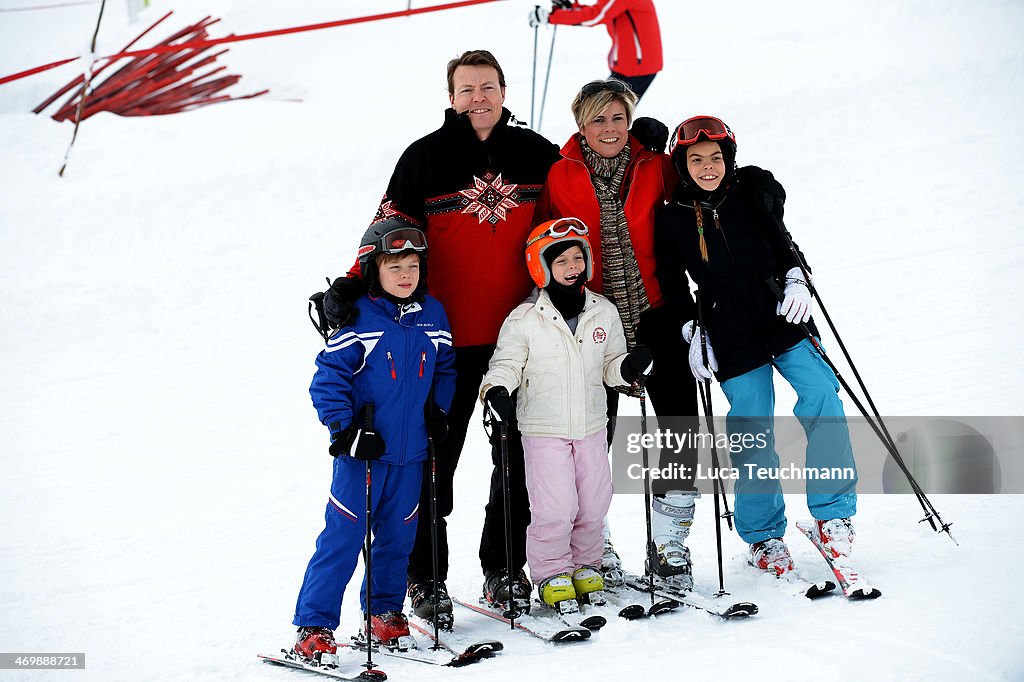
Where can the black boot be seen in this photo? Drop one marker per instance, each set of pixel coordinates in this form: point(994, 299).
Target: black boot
point(421, 597)
point(496, 588)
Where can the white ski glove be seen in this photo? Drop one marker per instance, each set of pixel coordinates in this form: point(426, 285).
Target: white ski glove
point(700, 371)
point(538, 16)
point(796, 303)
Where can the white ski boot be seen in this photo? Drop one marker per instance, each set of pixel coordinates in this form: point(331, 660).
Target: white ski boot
point(771, 555)
point(670, 525)
point(836, 536)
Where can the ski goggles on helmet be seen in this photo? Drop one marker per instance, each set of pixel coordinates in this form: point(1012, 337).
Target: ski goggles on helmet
point(562, 227)
point(546, 234)
point(404, 239)
point(710, 127)
point(396, 241)
point(611, 85)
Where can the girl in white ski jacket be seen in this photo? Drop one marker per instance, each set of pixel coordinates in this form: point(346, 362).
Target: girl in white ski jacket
point(558, 349)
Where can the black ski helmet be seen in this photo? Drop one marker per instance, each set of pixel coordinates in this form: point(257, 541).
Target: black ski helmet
point(391, 235)
point(699, 129)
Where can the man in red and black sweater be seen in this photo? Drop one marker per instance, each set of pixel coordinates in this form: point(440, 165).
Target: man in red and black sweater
point(472, 185)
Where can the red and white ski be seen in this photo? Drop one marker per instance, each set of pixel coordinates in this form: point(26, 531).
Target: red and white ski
point(851, 582)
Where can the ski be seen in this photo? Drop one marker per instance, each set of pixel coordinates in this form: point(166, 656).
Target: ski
point(624, 603)
point(573, 617)
point(854, 587)
point(693, 600)
point(443, 656)
point(572, 633)
point(636, 611)
point(816, 590)
point(798, 586)
point(452, 642)
point(326, 665)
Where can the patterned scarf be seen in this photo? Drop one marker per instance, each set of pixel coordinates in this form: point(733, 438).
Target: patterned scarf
point(621, 278)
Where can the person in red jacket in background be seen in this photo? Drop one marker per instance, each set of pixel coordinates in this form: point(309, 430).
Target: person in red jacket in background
point(635, 57)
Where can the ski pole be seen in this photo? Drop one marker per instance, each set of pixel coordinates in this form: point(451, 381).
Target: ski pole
point(652, 551)
point(704, 387)
point(533, 81)
point(490, 418)
point(505, 474)
point(85, 91)
point(709, 414)
point(432, 452)
point(547, 77)
point(931, 513)
point(368, 556)
point(706, 402)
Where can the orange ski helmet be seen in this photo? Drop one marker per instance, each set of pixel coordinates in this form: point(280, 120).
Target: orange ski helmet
point(551, 232)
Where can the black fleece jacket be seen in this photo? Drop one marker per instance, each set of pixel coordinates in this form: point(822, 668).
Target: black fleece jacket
point(745, 249)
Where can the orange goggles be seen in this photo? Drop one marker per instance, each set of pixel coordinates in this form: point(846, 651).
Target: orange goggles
point(710, 127)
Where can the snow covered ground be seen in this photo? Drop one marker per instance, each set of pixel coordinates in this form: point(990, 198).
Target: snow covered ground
point(162, 474)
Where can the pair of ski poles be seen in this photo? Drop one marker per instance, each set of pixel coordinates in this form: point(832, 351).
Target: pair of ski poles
point(874, 420)
point(547, 76)
point(491, 418)
point(367, 540)
point(719, 487)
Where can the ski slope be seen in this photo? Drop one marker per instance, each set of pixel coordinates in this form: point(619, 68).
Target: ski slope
point(163, 474)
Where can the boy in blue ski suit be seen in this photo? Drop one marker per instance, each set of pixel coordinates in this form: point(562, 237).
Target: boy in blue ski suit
point(396, 361)
point(717, 232)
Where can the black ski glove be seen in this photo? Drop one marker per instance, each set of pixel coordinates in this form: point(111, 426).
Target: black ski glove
point(651, 132)
point(768, 195)
point(500, 403)
point(340, 299)
point(637, 363)
point(561, 4)
point(436, 420)
point(359, 443)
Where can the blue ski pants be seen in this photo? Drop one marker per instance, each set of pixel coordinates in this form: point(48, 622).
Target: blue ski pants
point(394, 512)
point(760, 509)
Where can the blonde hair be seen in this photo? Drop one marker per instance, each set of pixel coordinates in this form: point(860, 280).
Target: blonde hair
point(585, 108)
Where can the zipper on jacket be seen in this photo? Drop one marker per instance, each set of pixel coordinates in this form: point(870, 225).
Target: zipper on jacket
point(391, 364)
point(423, 361)
point(636, 39)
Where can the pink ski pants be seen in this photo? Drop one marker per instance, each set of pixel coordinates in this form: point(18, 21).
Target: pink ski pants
point(570, 486)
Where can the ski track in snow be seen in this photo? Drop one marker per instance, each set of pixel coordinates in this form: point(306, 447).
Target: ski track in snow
point(163, 474)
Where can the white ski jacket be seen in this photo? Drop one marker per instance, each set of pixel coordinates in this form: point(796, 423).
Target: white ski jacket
point(560, 375)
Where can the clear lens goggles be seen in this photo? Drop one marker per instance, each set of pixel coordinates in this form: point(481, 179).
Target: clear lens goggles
point(561, 228)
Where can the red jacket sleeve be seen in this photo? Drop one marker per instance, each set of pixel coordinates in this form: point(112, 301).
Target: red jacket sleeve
point(587, 15)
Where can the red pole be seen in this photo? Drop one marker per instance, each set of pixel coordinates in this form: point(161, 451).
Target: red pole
point(263, 34)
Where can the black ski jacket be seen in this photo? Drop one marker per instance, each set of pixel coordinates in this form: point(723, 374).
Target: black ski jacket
point(745, 249)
